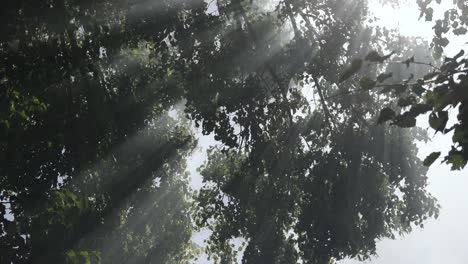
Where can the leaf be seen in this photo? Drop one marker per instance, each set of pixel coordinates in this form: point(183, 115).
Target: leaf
point(430, 75)
point(457, 160)
point(438, 121)
point(459, 54)
point(429, 13)
point(6, 123)
point(460, 135)
point(403, 102)
point(431, 158)
point(385, 115)
point(352, 69)
point(443, 42)
point(440, 97)
point(367, 83)
point(460, 31)
point(406, 120)
point(438, 28)
point(23, 114)
point(399, 88)
point(418, 109)
point(34, 100)
point(384, 76)
point(418, 89)
point(386, 89)
point(85, 257)
point(388, 56)
point(374, 56)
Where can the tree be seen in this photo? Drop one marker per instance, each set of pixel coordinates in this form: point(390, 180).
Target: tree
point(92, 168)
point(296, 178)
point(90, 151)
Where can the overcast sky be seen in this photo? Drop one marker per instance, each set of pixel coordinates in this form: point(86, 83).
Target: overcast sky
point(444, 240)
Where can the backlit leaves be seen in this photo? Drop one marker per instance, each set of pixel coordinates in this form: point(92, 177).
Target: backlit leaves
point(457, 159)
point(460, 135)
point(431, 158)
point(438, 120)
point(460, 31)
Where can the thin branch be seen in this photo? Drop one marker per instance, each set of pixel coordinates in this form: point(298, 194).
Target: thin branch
point(322, 100)
point(377, 86)
point(424, 63)
point(344, 93)
point(393, 85)
point(291, 17)
point(312, 33)
point(307, 143)
point(405, 62)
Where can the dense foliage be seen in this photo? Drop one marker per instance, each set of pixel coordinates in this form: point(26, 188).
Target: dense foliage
point(93, 149)
point(85, 135)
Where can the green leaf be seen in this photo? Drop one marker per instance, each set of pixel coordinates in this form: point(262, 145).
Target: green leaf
point(460, 135)
point(429, 13)
point(460, 31)
point(430, 76)
point(355, 66)
point(35, 100)
point(406, 120)
point(418, 89)
point(431, 158)
point(85, 256)
point(367, 83)
point(384, 76)
point(385, 115)
point(403, 102)
point(418, 109)
point(23, 114)
point(71, 257)
point(443, 42)
point(457, 160)
point(438, 121)
point(6, 123)
point(374, 56)
point(12, 106)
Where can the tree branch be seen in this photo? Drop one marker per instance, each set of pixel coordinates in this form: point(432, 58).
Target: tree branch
point(322, 100)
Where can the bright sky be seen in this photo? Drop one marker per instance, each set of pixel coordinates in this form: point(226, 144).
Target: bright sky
point(444, 240)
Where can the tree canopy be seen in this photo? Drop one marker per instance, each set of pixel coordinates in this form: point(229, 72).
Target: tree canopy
point(313, 107)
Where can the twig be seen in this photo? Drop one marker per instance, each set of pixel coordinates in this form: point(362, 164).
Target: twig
point(322, 100)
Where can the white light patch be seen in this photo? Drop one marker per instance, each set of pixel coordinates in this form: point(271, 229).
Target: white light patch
point(404, 18)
